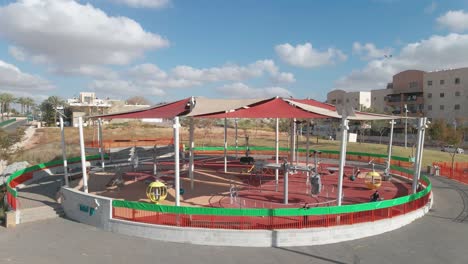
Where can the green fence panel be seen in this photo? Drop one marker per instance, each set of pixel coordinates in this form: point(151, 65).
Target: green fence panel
point(276, 212)
point(6, 122)
point(261, 148)
point(41, 166)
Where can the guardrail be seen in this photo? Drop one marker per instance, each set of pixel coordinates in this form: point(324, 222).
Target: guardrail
point(121, 143)
point(269, 219)
point(458, 173)
point(327, 154)
point(7, 122)
point(23, 175)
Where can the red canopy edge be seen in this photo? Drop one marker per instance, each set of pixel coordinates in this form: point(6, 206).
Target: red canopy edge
point(169, 110)
point(271, 108)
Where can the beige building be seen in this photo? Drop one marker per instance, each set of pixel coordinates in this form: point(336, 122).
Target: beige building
point(407, 87)
point(357, 100)
point(446, 95)
point(378, 100)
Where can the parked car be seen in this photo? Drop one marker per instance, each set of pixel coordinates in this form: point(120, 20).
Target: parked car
point(452, 149)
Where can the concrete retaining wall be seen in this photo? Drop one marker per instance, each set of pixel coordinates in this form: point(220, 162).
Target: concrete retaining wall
point(87, 208)
point(75, 204)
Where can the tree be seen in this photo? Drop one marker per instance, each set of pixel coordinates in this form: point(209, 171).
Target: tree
point(28, 102)
point(22, 102)
point(49, 108)
point(138, 100)
point(55, 102)
point(6, 99)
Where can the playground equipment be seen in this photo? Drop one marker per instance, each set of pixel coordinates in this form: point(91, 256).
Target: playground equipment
point(156, 191)
point(247, 159)
point(315, 181)
point(373, 179)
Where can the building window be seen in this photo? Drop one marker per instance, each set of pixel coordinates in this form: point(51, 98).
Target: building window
point(421, 107)
point(429, 107)
point(347, 100)
point(442, 107)
point(457, 80)
point(442, 82)
point(429, 95)
point(457, 107)
point(442, 95)
point(375, 98)
point(457, 93)
point(429, 83)
point(413, 85)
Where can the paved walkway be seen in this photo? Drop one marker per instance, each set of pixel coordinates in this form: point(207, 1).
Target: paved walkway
point(439, 237)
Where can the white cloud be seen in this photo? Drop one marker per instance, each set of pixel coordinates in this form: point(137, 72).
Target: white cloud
point(144, 3)
point(232, 72)
point(370, 51)
point(65, 33)
point(430, 8)
point(149, 77)
point(14, 80)
point(307, 57)
point(124, 88)
point(17, 53)
point(241, 90)
point(89, 71)
point(454, 20)
point(436, 52)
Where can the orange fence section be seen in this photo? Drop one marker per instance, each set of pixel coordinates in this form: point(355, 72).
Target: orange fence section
point(459, 172)
point(261, 222)
point(122, 143)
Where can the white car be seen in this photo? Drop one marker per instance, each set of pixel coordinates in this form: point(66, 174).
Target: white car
point(452, 149)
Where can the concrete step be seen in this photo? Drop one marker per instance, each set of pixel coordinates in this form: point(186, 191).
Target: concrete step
point(40, 213)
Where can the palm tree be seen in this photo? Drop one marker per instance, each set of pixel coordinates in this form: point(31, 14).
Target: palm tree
point(22, 102)
point(6, 99)
point(55, 102)
point(29, 102)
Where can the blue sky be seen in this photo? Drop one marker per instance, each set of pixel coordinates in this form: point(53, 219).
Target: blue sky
point(171, 49)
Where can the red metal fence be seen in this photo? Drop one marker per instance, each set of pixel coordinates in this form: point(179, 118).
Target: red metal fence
point(458, 173)
point(266, 222)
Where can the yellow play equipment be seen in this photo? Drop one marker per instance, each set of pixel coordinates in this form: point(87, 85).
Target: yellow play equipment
point(156, 191)
point(373, 180)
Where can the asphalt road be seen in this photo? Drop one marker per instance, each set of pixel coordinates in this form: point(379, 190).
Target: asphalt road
point(439, 237)
point(12, 127)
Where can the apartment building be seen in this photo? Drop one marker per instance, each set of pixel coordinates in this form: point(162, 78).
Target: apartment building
point(407, 89)
point(446, 95)
point(357, 100)
point(378, 99)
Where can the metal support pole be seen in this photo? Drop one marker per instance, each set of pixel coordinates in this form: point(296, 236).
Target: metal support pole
point(344, 137)
point(423, 133)
point(101, 143)
point(237, 143)
point(225, 145)
point(307, 144)
point(83, 157)
point(286, 174)
point(191, 145)
point(64, 152)
point(277, 153)
point(418, 154)
point(406, 126)
point(390, 143)
point(293, 141)
point(176, 161)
